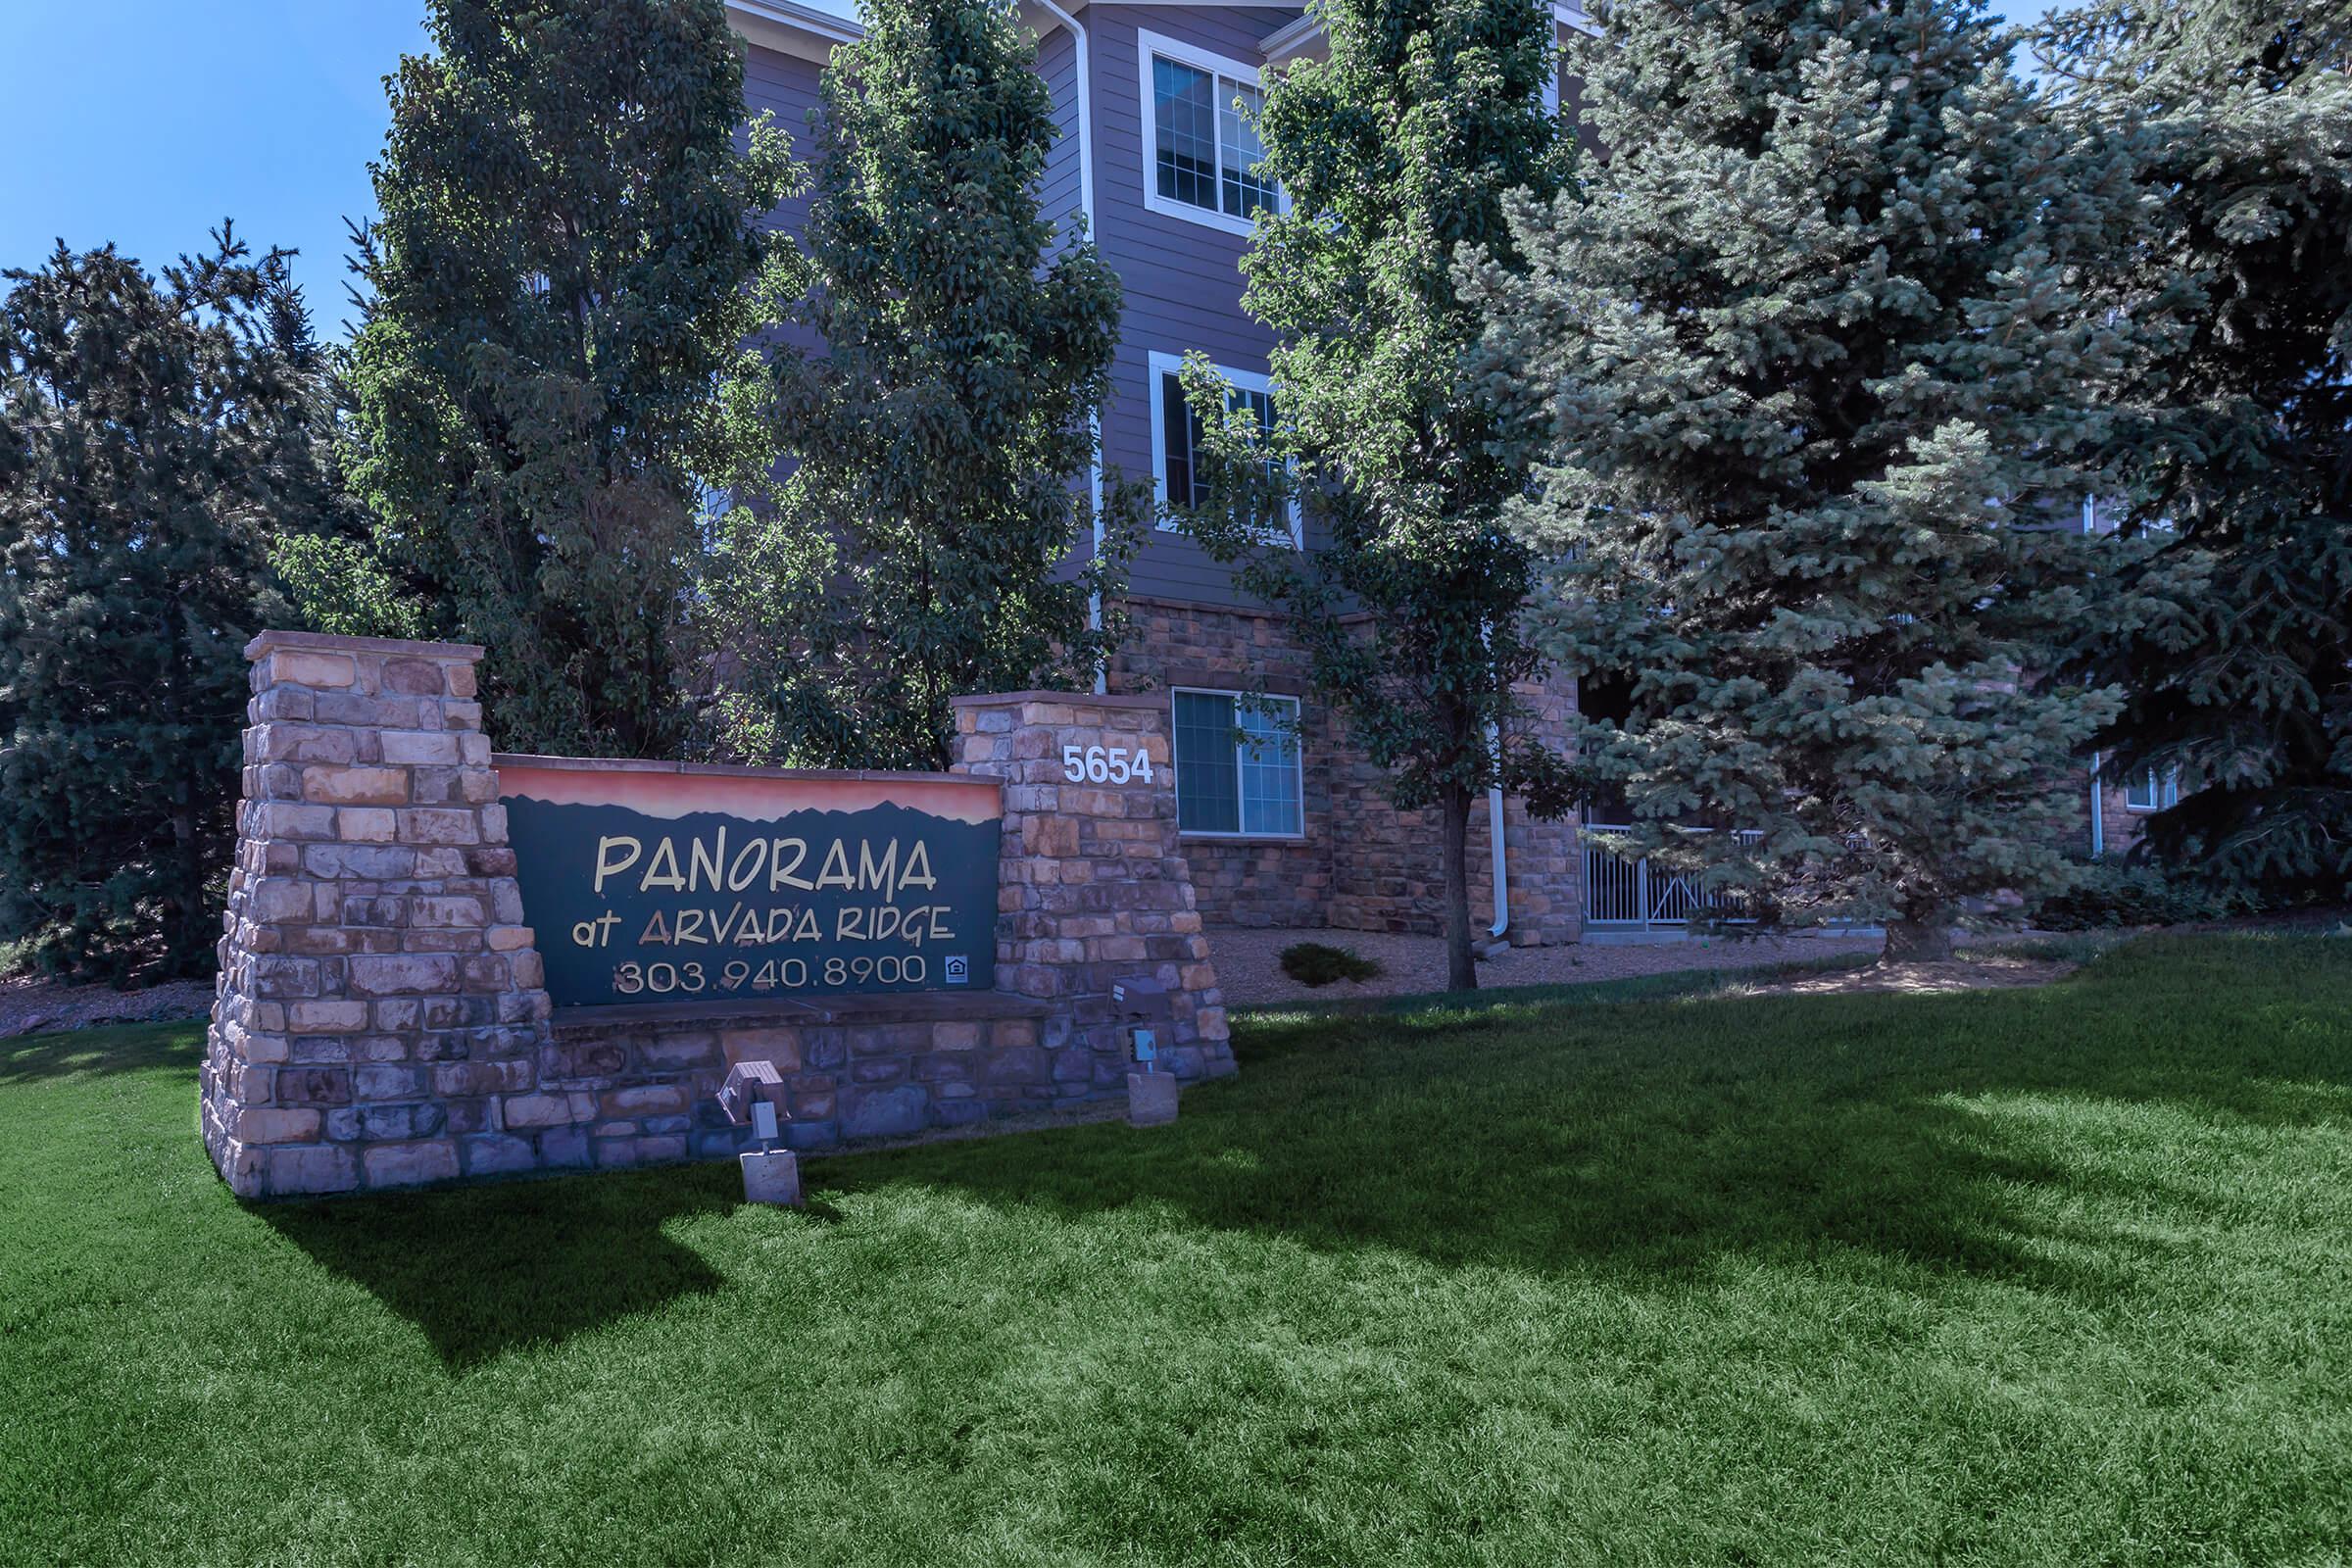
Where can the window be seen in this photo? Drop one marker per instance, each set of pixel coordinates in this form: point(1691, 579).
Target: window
point(2150, 791)
point(1204, 151)
point(1176, 440)
point(1237, 764)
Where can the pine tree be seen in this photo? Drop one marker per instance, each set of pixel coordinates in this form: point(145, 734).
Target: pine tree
point(1808, 364)
point(935, 446)
point(2236, 435)
point(1393, 153)
point(569, 265)
point(143, 436)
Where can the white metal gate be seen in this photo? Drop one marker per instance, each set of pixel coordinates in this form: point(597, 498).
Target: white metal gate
point(1624, 894)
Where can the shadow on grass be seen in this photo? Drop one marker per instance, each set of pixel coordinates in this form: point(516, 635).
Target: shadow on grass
point(486, 1270)
point(1916, 1141)
point(1917, 1136)
point(116, 1049)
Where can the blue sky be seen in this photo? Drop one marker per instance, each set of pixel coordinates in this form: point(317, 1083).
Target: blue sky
point(145, 121)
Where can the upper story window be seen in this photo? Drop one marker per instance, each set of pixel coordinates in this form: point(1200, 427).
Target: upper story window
point(1176, 439)
point(1204, 151)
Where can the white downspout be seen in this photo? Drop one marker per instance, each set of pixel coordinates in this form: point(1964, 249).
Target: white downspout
point(2098, 814)
point(1502, 873)
point(1086, 209)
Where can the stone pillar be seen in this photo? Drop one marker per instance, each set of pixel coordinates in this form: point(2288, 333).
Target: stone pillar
point(1095, 888)
point(379, 1015)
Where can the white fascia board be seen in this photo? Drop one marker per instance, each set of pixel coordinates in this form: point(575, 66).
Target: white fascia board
point(806, 29)
point(1306, 39)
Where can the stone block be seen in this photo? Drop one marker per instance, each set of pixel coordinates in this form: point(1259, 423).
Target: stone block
point(495, 1154)
point(817, 1133)
point(410, 1164)
point(882, 1113)
point(1150, 1098)
point(314, 1086)
point(391, 1123)
point(413, 677)
point(282, 820)
point(326, 1017)
point(315, 1169)
point(481, 1077)
point(365, 824)
point(269, 1124)
point(777, 1046)
point(1016, 1064)
point(548, 1110)
point(385, 1080)
point(440, 825)
point(355, 785)
point(402, 974)
point(771, 1176)
point(671, 1052)
point(297, 666)
point(644, 1100)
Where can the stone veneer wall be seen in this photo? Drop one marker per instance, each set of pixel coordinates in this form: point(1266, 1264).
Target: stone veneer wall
point(1095, 886)
point(379, 1015)
point(381, 1020)
point(1362, 865)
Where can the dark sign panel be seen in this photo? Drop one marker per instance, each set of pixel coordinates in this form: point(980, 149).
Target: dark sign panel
point(659, 883)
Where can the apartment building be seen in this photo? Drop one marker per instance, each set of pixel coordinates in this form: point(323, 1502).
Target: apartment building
point(1283, 823)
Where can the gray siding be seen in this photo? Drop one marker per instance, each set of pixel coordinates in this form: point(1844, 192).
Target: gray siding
point(1057, 192)
point(785, 87)
point(1182, 282)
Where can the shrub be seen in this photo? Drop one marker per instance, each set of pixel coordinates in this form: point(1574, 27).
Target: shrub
point(2108, 893)
point(1319, 964)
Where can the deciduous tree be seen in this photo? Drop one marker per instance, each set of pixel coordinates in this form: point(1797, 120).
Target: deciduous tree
point(927, 531)
point(1394, 153)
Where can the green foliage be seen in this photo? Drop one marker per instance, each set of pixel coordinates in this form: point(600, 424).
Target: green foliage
point(1319, 964)
point(2236, 431)
point(917, 549)
point(146, 428)
point(340, 585)
point(1809, 371)
point(567, 271)
point(1395, 151)
point(2041, 1279)
point(2113, 893)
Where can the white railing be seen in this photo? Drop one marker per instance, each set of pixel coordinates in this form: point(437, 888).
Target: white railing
point(1632, 894)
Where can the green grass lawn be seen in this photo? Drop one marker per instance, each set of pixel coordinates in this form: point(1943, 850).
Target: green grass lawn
point(2060, 1276)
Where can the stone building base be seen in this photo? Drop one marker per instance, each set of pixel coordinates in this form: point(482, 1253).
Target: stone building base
point(1361, 865)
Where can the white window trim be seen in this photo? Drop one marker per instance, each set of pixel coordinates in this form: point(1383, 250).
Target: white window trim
point(1165, 365)
point(1147, 44)
point(1176, 773)
point(2168, 791)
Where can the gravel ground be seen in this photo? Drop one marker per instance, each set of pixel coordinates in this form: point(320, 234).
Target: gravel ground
point(29, 1005)
point(1250, 961)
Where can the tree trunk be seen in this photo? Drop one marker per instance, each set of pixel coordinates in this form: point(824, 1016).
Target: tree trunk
point(1461, 968)
point(1919, 936)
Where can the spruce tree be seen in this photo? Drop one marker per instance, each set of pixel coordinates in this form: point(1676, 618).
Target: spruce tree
point(934, 449)
point(144, 433)
point(2235, 434)
point(570, 262)
point(1393, 153)
point(1808, 364)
